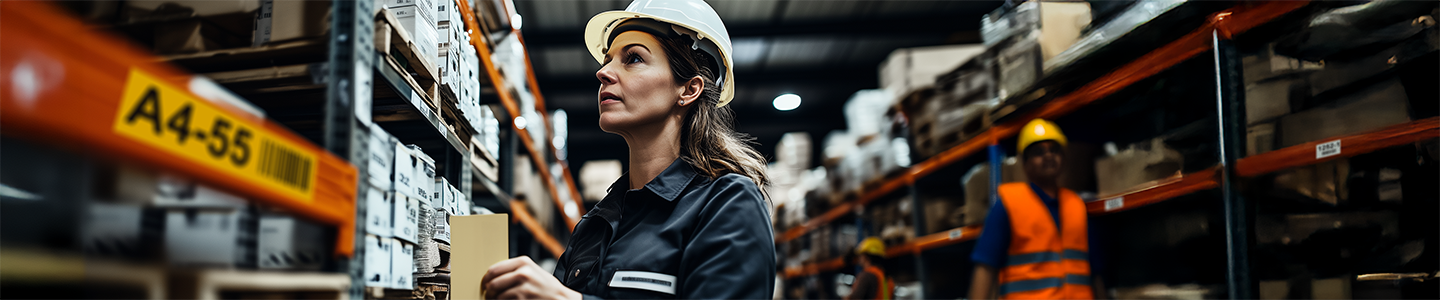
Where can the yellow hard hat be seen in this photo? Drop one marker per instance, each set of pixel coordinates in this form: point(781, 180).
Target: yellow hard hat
point(1039, 130)
point(871, 246)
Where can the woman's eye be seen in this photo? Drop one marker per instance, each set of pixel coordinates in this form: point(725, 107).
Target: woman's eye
point(633, 58)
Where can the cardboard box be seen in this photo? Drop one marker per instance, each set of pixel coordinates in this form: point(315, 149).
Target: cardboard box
point(1137, 164)
point(1379, 105)
point(205, 237)
point(424, 174)
point(913, 68)
point(1060, 25)
point(1326, 181)
point(442, 226)
point(402, 265)
point(404, 179)
point(1021, 54)
point(377, 261)
point(1020, 63)
point(1330, 288)
point(441, 197)
point(420, 24)
point(485, 240)
point(112, 230)
point(406, 218)
point(978, 189)
point(379, 217)
point(1259, 138)
point(289, 20)
point(286, 242)
point(382, 159)
point(176, 192)
point(1267, 100)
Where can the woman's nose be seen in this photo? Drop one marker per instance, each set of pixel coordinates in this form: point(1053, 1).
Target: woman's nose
point(606, 75)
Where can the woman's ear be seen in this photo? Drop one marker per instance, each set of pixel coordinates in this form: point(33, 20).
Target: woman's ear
point(691, 90)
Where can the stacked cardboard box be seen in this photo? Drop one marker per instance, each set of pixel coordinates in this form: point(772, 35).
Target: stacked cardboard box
point(1023, 38)
point(1140, 163)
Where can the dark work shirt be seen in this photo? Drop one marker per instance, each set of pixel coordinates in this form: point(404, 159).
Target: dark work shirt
point(681, 236)
point(993, 247)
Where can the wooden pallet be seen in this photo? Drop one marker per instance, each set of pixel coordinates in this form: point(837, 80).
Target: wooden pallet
point(217, 284)
point(483, 160)
point(397, 45)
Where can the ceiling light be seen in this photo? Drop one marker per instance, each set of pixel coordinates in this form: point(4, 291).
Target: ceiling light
point(787, 102)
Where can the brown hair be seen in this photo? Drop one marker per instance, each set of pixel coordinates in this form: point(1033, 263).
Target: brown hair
point(708, 139)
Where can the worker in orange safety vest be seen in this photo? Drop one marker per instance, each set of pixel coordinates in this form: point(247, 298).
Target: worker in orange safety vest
point(871, 283)
point(1035, 243)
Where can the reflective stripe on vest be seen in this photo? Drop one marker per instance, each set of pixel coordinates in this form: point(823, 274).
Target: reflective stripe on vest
point(1044, 261)
point(883, 287)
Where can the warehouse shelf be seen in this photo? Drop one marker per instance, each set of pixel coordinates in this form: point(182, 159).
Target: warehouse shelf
point(935, 240)
point(1227, 23)
point(1156, 191)
point(99, 101)
point(919, 244)
point(815, 268)
point(1310, 153)
point(512, 106)
point(404, 88)
point(522, 216)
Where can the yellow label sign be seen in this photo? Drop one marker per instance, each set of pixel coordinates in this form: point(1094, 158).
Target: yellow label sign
point(158, 114)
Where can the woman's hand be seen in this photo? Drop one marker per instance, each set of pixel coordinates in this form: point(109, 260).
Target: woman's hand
point(521, 278)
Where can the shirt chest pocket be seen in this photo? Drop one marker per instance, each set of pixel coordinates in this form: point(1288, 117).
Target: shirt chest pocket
point(632, 284)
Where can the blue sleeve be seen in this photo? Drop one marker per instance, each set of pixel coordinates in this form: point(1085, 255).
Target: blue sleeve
point(1096, 238)
point(994, 240)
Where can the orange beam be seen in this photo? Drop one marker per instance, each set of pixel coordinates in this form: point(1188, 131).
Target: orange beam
point(815, 268)
point(522, 215)
point(935, 240)
point(69, 95)
point(1156, 191)
point(540, 106)
point(477, 40)
point(1350, 145)
point(1229, 22)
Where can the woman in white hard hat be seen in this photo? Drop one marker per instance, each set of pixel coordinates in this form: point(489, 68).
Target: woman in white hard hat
point(688, 221)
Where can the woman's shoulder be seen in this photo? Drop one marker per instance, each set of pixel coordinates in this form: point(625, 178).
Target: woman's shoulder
point(726, 189)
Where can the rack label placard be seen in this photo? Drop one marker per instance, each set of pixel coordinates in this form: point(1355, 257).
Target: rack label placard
point(170, 119)
point(1327, 149)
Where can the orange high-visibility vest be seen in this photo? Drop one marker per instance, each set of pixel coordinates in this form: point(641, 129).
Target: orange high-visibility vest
point(1044, 262)
point(884, 287)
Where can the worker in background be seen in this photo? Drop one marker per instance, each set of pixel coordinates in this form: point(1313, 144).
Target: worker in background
point(871, 282)
point(688, 220)
point(1036, 242)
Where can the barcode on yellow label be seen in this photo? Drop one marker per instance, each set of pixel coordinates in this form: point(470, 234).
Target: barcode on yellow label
point(170, 119)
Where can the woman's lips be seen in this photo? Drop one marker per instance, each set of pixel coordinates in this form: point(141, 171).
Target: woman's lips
point(608, 97)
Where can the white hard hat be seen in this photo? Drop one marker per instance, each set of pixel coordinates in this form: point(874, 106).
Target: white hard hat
point(695, 18)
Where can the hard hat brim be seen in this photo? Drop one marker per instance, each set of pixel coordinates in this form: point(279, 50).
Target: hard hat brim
point(597, 33)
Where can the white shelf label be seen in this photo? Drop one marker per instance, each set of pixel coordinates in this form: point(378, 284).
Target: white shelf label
point(956, 233)
point(1114, 204)
point(1327, 149)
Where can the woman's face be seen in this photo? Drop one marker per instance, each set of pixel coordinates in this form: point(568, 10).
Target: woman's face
point(636, 85)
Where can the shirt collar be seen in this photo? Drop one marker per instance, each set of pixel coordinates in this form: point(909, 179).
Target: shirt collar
point(1043, 196)
point(668, 184)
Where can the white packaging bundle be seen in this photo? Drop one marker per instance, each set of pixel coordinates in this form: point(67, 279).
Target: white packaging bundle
point(441, 198)
point(404, 178)
point(378, 213)
point(442, 226)
point(407, 212)
point(424, 173)
point(377, 261)
point(402, 265)
point(382, 158)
